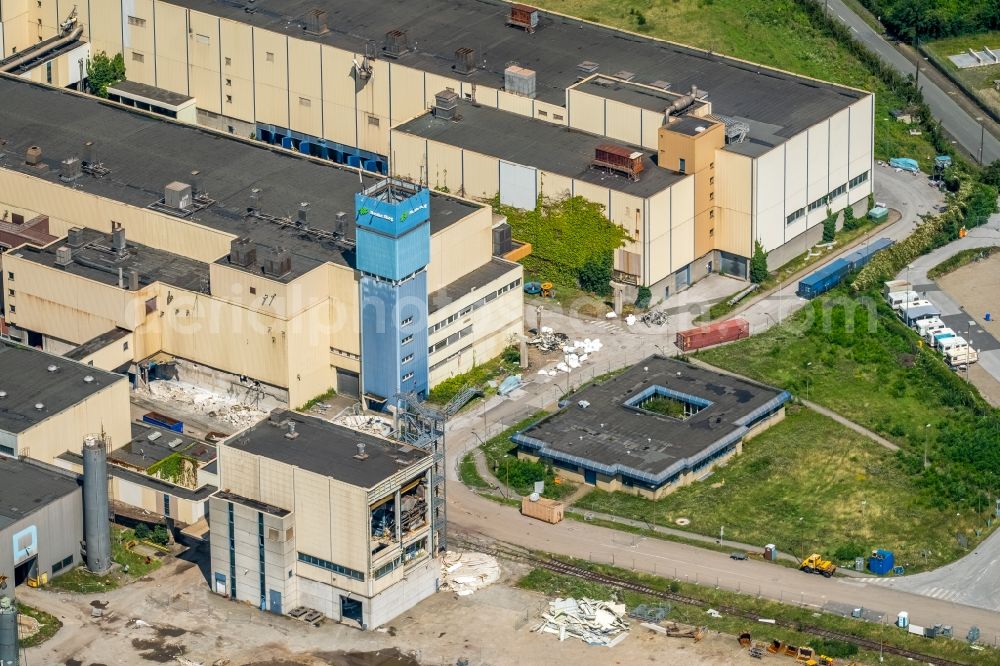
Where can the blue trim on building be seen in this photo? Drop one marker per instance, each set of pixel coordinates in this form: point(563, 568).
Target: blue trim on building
point(315, 146)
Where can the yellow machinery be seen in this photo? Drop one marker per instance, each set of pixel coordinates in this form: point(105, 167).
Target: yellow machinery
point(816, 564)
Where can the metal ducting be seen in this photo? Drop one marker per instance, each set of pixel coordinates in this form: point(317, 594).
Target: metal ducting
point(31, 54)
point(96, 519)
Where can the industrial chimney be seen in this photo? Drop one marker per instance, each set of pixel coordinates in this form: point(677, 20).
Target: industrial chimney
point(96, 521)
point(8, 632)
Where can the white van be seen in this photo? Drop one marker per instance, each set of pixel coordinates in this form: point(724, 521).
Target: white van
point(934, 337)
point(930, 324)
point(897, 297)
point(902, 308)
point(955, 342)
point(964, 356)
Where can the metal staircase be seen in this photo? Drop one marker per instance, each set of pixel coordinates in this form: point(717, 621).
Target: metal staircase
point(422, 426)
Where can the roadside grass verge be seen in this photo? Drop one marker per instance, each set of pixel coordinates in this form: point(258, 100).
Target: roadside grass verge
point(468, 473)
point(808, 484)
point(553, 585)
point(963, 258)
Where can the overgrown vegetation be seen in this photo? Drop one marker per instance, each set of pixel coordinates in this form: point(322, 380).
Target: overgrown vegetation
point(854, 356)
point(104, 71)
point(48, 625)
point(322, 397)
point(774, 493)
point(494, 369)
point(176, 468)
point(132, 566)
point(572, 242)
point(468, 473)
point(157, 534)
point(963, 258)
point(557, 585)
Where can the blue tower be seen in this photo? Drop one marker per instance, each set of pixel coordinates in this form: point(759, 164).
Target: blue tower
point(393, 250)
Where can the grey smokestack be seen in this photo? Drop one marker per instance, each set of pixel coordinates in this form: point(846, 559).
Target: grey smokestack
point(96, 525)
point(118, 237)
point(8, 632)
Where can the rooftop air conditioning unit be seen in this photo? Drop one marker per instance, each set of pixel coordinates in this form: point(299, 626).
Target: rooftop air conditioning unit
point(465, 60)
point(70, 169)
point(64, 256)
point(446, 105)
point(396, 43)
point(278, 262)
point(519, 81)
point(242, 252)
point(177, 195)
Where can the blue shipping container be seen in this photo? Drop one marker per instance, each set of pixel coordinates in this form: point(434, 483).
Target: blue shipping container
point(881, 562)
point(163, 421)
point(824, 279)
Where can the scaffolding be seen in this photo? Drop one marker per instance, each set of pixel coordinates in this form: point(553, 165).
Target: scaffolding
point(422, 426)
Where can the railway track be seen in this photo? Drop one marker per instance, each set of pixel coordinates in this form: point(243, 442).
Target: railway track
point(566, 569)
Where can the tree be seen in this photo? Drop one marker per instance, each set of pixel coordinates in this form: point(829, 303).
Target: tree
point(829, 226)
point(595, 274)
point(850, 222)
point(991, 174)
point(103, 71)
point(758, 264)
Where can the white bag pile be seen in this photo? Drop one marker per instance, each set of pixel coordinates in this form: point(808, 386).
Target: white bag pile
point(594, 622)
point(464, 573)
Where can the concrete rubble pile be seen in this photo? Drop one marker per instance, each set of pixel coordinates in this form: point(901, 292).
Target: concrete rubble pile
point(464, 573)
point(594, 622)
point(370, 424)
point(194, 399)
point(548, 340)
point(575, 354)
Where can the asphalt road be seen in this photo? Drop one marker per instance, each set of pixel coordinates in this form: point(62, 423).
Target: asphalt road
point(962, 127)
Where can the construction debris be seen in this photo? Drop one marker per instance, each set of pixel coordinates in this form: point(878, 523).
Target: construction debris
point(225, 408)
point(464, 573)
point(548, 340)
point(373, 425)
point(594, 622)
point(654, 318)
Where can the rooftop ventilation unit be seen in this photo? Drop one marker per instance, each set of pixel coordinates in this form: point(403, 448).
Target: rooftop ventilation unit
point(90, 163)
point(303, 217)
point(588, 66)
point(465, 60)
point(624, 75)
point(33, 156)
point(89, 379)
point(277, 417)
point(618, 158)
point(524, 17)
point(316, 22)
point(242, 252)
point(53, 368)
point(446, 105)
point(278, 262)
point(177, 195)
point(291, 434)
point(133, 280)
point(661, 84)
point(64, 256)
point(361, 455)
point(118, 238)
point(340, 223)
point(75, 237)
point(519, 81)
point(396, 44)
point(70, 169)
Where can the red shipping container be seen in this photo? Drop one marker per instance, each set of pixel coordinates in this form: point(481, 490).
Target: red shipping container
point(706, 336)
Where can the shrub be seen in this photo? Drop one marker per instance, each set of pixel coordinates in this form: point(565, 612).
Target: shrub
point(160, 535)
point(596, 273)
point(142, 531)
point(511, 354)
point(103, 71)
point(758, 264)
point(848, 551)
point(643, 298)
point(850, 222)
point(834, 648)
point(829, 226)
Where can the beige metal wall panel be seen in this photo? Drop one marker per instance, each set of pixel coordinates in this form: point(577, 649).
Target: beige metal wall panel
point(113, 355)
point(658, 243)
point(408, 92)
point(818, 166)
point(372, 108)
point(596, 193)
point(239, 472)
point(339, 102)
point(768, 201)
point(105, 32)
point(839, 138)
point(345, 327)
point(170, 31)
point(459, 249)
point(234, 285)
point(861, 138)
point(47, 18)
point(313, 514)
point(444, 166)
point(270, 59)
point(554, 186)
point(349, 526)
point(106, 410)
point(682, 224)
point(795, 173)
point(236, 52)
point(203, 61)
point(277, 485)
point(551, 113)
point(18, 17)
point(126, 492)
point(586, 112)
point(306, 86)
point(486, 96)
point(624, 122)
point(408, 156)
point(309, 372)
point(139, 49)
point(482, 175)
point(733, 185)
point(651, 124)
point(515, 103)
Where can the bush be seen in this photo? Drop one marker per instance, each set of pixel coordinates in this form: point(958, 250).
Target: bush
point(758, 264)
point(160, 535)
point(142, 531)
point(848, 551)
point(850, 222)
point(833, 648)
point(103, 71)
point(829, 226)
point(643, 298)
point(596, 273)
point(511, 354)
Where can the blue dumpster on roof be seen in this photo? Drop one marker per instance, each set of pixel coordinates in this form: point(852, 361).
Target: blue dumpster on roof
point(881, 561)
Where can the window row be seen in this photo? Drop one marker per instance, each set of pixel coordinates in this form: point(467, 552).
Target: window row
point(330, 566)
point(451, 339)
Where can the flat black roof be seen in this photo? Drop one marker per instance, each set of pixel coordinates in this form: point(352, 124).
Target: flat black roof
point(438, 27)
point(598, 429)
point(145, 153)
point(96, 261)
point(26, 488)
point(690, 125)
point(27, 382)
point(150, 92)
point(633, 94)
point(147, 481)
point(553, 148)
point(96, 343)
point(469, 282)
point(326, 448)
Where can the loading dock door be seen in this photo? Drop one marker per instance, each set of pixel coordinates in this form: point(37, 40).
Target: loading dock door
point(348, 383)
point(518, 185)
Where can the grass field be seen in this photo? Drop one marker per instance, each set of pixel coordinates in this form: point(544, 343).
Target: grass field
point(808, 485)
point(776, 33)
point(48, 625)
point(555, 585)
point(979, 79)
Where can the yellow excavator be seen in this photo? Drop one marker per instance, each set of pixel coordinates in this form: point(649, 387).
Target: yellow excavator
point(816, 564)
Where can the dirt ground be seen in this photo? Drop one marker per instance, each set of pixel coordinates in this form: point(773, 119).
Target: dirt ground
point(172, 618)
point(977, 288)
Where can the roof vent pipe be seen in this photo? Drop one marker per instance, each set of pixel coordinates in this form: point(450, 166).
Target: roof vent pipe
point(118, 238)
point(361, 455)
point(303, 219)
point(121, 278)
point(195, 183)
point(291, 434)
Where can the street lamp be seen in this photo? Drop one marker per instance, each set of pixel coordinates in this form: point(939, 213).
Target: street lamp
point(926, 444)
point(982, 138)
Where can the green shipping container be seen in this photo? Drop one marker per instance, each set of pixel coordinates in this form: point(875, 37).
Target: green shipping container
point(878, 213)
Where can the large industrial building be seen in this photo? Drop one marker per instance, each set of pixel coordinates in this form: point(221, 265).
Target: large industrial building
point(657, 426)
point(271, 270)
point(41, 523)
point(731, 152)
point(313, 515)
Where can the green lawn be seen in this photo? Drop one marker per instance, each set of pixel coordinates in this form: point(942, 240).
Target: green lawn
point(48, 625)
point(556, 585)
point(82, 581)
point(979, 79)
point(469, 475)
point(777, 33)
point(808, 485)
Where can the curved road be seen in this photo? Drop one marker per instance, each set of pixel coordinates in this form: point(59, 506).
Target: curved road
point(959, 124)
